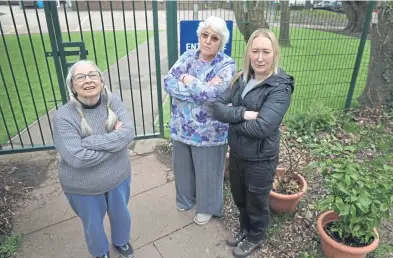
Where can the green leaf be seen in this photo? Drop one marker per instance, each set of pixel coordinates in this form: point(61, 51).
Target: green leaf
point(342, 207)
point(347, 180)
point(384, 207)
point(350, 148)
point(361, 207)
point(342, 188)
point(338, 176)
point(387, 168)
point(374, 209)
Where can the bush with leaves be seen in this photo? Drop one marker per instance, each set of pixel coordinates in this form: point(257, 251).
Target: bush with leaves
point(362, 194)
point(305, 125)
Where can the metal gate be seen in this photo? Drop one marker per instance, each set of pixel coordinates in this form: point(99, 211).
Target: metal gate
point(39, 43)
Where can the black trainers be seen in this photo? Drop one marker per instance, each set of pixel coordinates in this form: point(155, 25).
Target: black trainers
point(125, 251)
point(104, 256)
point(238, 236)
point(245, 248)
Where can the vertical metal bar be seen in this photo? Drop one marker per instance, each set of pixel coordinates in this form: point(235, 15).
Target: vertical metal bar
point(10, 103)
point(46, 59)
point(148, 58)
point(106, 50)
point(139, 69)
point(66, 20)
point(55, 51)
point(6, 128)
point(38, 74)
point(92, 34)
point(117, 57)
point(79, 20)
point(16, 86)
point(158, 65)
point(129, 67)
point(171, 25)
point(59, 38)
point(25, 66)
point(363, 39)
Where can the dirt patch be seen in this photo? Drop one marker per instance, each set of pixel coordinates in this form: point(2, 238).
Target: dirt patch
point(18, 177)
point(163, 153)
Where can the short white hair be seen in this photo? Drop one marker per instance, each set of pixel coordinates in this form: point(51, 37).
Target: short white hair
point(218, 25)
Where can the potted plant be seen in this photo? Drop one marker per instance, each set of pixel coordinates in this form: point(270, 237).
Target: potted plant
point(288, 187)
point(359, 196)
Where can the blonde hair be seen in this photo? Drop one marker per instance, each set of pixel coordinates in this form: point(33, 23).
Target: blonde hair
point(85, 127)
point(219, 26)
point(247, 69)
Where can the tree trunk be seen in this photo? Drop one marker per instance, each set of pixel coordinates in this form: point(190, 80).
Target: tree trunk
point(249, 17)
point(355, 12)
point(379, 88)
point(284, 24)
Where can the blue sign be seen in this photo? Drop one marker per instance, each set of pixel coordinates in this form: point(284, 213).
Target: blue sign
point(189, 37)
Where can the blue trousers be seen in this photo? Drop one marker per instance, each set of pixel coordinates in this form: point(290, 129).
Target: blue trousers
point(91, 209)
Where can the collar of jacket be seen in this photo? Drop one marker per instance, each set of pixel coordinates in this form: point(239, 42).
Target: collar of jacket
point(219, 56)
point(273, 81)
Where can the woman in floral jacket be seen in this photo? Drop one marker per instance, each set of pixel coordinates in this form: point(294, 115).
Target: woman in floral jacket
point(200, 141)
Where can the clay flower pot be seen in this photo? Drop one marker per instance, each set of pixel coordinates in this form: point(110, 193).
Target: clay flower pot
point(332, 249)
point(286, 203)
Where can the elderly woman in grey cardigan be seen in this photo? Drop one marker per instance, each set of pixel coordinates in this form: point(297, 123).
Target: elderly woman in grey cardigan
point(91, 133)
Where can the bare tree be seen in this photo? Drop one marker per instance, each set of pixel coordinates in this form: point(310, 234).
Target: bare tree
point(355, 12)
point(284, 24)
point(249, 17)
point(379, 88)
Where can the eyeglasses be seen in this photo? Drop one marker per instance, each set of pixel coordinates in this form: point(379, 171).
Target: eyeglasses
point(80, 77)
point(213, 38)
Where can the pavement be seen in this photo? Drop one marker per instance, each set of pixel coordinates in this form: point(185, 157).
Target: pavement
point(51, 229)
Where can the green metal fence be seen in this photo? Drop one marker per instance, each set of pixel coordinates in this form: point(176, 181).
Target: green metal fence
point(37, 46)
point(39, 43)
point(329, 65)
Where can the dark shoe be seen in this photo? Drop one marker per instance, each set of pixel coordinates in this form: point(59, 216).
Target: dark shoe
point(125, 250)
point(245, 248)
point(104, 256)
point(238, 236)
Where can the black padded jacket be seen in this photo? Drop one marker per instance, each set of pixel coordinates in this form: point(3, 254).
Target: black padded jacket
point(258, 139)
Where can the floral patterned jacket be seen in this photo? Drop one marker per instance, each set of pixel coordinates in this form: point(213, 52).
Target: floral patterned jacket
point(192, 121)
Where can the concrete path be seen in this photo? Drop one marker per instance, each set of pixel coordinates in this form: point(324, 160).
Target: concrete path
point(51, 228)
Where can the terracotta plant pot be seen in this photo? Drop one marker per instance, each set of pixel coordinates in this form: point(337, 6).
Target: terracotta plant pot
point(332, 249)
point(286, 203)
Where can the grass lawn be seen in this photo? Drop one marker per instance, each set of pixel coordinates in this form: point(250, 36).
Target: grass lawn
point(38, 91)
point(321, 63)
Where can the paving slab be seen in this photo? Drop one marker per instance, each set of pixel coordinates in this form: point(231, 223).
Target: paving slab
point(147, 173)
point(49, 206)
point(154, 216)
point(148, 251)
point(146, 146)
point(196, 241)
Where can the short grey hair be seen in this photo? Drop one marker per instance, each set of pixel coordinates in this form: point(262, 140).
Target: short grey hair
point(85, 128)
point(218, 25)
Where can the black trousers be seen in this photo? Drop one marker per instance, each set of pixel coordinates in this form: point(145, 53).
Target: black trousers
point(251, 183)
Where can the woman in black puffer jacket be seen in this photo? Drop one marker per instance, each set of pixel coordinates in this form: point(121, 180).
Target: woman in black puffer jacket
point(254, 107)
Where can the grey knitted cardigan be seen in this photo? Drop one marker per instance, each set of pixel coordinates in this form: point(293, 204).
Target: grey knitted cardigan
point(100, 162)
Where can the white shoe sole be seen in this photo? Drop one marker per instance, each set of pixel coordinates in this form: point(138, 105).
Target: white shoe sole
point(201, 222)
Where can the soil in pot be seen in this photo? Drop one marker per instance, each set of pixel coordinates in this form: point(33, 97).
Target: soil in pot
point(285, 184)
point(348, 241)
